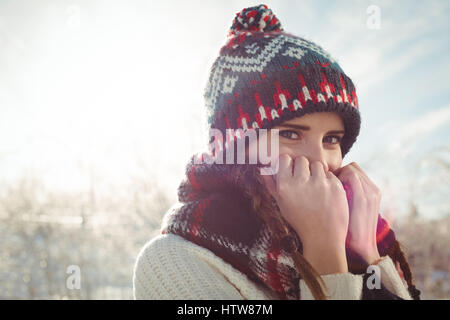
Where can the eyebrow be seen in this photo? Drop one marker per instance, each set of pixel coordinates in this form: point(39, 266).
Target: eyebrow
point(306, 128)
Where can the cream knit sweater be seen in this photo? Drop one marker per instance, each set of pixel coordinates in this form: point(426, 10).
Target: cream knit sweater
point(172, 268)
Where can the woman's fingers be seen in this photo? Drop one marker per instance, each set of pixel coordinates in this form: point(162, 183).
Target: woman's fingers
point(368, 186)
point(354, 164)
point(330, 175)
point(285, 169)
point(358, 168)
point(301, 170)
point(317, 169)
point(353, 179)
point(365, 184)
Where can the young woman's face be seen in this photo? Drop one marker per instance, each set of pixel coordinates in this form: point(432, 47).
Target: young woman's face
point(316, 136)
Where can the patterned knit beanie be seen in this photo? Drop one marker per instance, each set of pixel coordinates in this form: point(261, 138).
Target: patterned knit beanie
point(264, 76)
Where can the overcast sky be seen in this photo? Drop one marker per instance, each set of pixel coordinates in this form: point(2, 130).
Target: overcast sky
point(92, 86)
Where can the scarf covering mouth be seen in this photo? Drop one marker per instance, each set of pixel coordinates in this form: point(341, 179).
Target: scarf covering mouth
point(215, 212)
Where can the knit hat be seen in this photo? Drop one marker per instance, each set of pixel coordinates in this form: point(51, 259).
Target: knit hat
point(264, 76)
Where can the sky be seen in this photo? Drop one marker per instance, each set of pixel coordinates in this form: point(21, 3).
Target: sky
point(113, 89)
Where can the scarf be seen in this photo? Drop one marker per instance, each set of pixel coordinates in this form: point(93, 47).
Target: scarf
point(216, 213)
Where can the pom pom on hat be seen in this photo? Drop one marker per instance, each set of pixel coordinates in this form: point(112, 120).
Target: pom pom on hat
point(255, 19)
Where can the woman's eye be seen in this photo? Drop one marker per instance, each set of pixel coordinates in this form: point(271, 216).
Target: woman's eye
point(333, 139)
point(289, 134)
point(293, 135)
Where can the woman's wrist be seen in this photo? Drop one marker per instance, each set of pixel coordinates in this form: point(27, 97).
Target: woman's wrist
point(328, 260)
point(368, 252)
point(372, 258)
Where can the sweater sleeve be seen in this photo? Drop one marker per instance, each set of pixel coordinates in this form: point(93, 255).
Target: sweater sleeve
point(171, 268)
point(347, 286)
point(339, 286)
point(391, 279)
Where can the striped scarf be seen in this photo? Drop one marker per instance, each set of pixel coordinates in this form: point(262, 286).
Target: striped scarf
point(215, 213)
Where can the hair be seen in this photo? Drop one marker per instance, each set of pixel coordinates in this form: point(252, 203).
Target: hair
point(262, 203)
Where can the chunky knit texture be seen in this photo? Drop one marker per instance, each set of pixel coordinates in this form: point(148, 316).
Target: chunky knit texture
point(264, 76)
point(171, 268)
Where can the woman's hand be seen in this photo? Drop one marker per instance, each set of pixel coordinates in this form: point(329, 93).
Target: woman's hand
point(314, 204)
point(364, 204)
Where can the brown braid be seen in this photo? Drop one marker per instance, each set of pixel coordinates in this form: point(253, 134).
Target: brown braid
point(397, 255)
point(261, 203)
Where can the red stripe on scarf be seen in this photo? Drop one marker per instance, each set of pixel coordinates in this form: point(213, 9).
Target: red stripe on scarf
point(381, 234)
point(192, 179)
point(273, 275)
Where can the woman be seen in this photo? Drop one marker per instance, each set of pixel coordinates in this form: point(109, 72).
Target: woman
point(311, 229)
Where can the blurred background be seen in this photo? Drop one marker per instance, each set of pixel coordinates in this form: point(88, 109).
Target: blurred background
point(101, 108)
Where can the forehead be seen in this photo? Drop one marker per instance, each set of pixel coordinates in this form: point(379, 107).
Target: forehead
point(319, 120)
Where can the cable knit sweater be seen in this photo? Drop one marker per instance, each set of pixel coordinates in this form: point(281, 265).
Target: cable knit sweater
point(172, 268)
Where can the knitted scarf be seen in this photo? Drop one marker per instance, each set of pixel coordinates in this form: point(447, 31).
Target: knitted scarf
point(215, 213)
